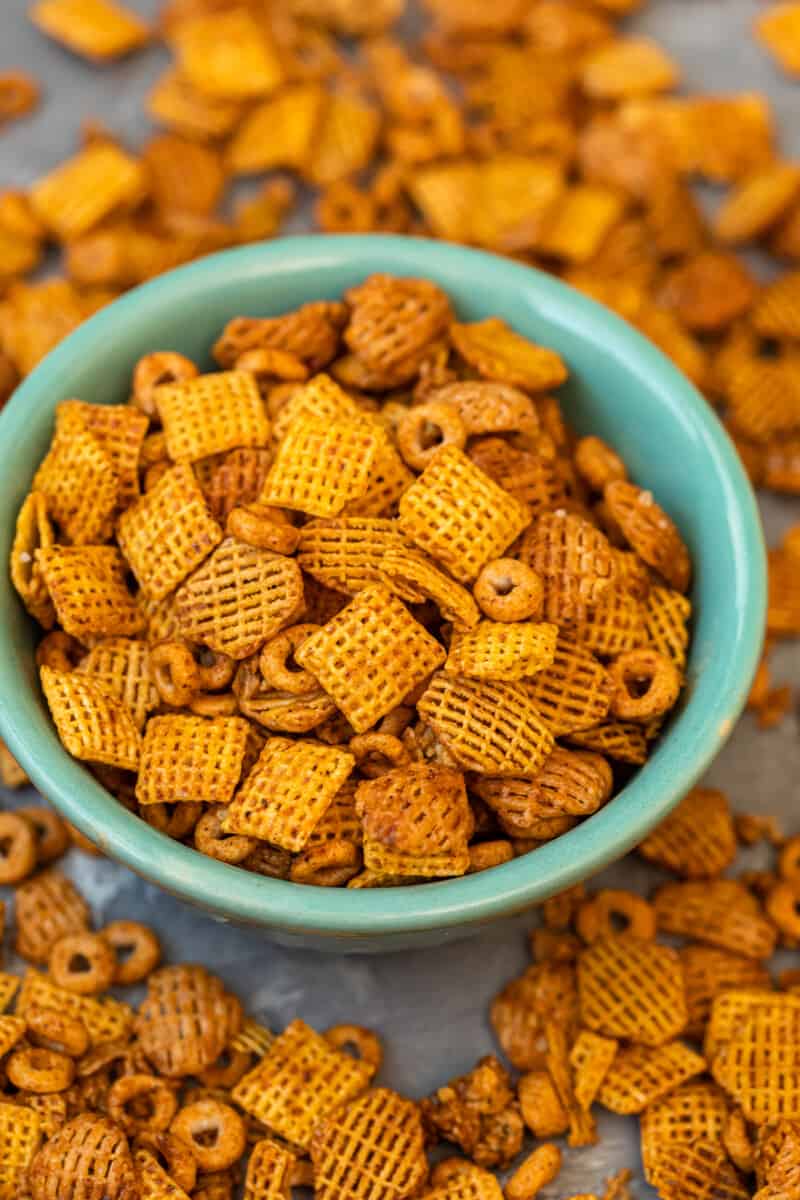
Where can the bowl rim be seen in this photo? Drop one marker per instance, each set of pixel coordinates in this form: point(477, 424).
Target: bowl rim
point(473, 899)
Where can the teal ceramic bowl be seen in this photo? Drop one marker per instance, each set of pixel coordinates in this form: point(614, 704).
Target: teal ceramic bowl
point(621, 388)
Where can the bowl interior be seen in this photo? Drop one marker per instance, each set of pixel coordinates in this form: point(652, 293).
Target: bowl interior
point(621, 388)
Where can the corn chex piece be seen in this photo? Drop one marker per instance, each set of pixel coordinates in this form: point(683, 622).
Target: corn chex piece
point(760, 1066)
point(344, 139)
point(370, 656)
point(388, 479)
point(93, 725)
point(33, 532)
point(175, 103)
point(48, 907)
point(469, 1183)
point(168, 532)
point(211, 414)
point(460, 516)
point(322, 398)
point(383, 863)
point(757, 203)
point(321, 464)
point(776, 312)
point(227, 55)
point(584, 216)
point(394, 321)
point(707, 971)
point(574, 560)
point(590, 1058)
point(568, 782)
point(666, 617)
point(20, 1134)
point(239, 598)
point(497, 352)
point(233, 479)
point(732, 1010)
point(414, 577)
point(186, 1020)
point(106, 1019)
point(622, 740)
point(697, 840)
point(694, 1112)
point(122, 666)
point(641, 1074)
point(614, 625)
point(345, 553)
point(269, 1172)
point(97, 29)
point(51, 1110)
point(300, 1081)
point(493, 728)
point(100, 181)
point(502, 650)
point(374, 1145)
point(310, 332)
point(89, 1154)
point(649, 531)
point(719, 912)
point(11, 1030)
point(120, 429)
point(695, 1171)
point(191, 759)
point(421, 809)
point(632, 988)
point(573, 693)
point(288, 791)
point(531, 478)
point(88, 589)
point(152, 1180)
point(279, 131)
point(78, 482)
point(764, 398)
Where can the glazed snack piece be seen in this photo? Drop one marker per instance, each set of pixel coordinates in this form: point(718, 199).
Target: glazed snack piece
point(279, 598)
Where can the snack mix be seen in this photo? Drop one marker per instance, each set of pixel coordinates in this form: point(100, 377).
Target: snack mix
point(356, 608)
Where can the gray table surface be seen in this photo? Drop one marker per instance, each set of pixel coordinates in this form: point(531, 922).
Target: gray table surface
point(431, 1006)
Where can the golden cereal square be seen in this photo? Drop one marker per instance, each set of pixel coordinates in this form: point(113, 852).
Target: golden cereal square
point(300, 1080)
point(97, 29)
point(269, 1172)
point(153, 1181)
point(320, 398)
point(238, 598)
point(106, 1019)
point(384, 862)
point(20, 1134)
point(632, 988)
point(374, 1145)
point(488, 727)
point(345, 553)
point(211, 414)
point(388, 479)
point(370, 656)
point(92, 724)
point(122, 666)
point(179, 106)
point(191, 759)
point(86, 189)
point(120, 430)
point(88, 589)
point(227, 55)
point(33, 532)
point(641, 1074)
point(502, 650)
point(288, 792)
point(460, 516)
point(78, 482)
point(322, 464)
point(168, 532)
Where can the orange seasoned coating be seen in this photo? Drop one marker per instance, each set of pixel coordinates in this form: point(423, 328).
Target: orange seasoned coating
point(574, 692)
point(104, 1019)
point(695, 1111)
point(168, 532)
point(346, 553)
point(393, 321)
point(707, 971)
point(320, 464)
point(759, 1067)
point(370, 656)
point(649, 531)
point(519, 1012)
point(93, 724)
point(574, 561)
point(240, 596)
point(458, 515)
point(697, 839)
point(287, 792)
point(719, 912)
point(500, 354)
point(211, 414)
point(78, 481)
point(227, 55)
point(187, 758)
point(632, 988)
point(640, 1075)
point(666, 618)
point(99, 181)
point(186, 1020)
point(300, 1081)
point(88, 589)
point(33, 532)
point(568, 782)
point(414, 578)
point(120, 431)
point(501, 650)
point(99, 30)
